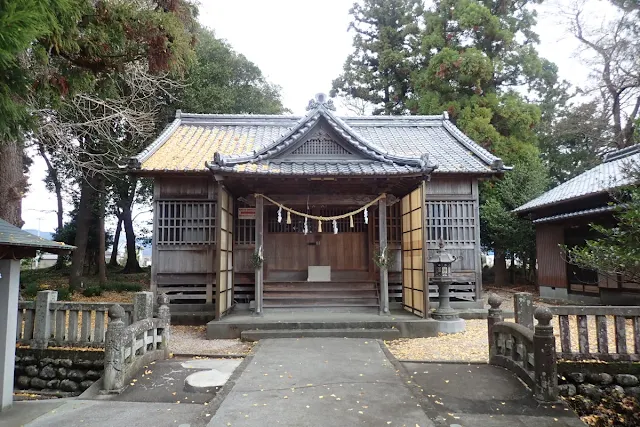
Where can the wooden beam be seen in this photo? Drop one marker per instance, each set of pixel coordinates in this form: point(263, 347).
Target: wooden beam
point(384, 272)
point(259, 247)
point(324, 199)
point(477, 249)
point(218, 253)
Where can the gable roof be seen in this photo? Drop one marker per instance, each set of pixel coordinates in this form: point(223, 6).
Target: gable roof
point(10, 235)
point(258, 144)
point(601, 179)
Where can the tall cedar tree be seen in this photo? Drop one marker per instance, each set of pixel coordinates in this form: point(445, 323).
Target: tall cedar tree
point(386, 53)
point(478, 53)
point(21, 24)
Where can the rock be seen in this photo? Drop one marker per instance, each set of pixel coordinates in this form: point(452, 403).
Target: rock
point(18, 370)
point(53, 384)
point(600, 378)
point(93, 375)
point(38, 383)
point(46, 361)
point(68, 385)
point(590, 391)
point(627, 380)
point(99, 364)
point(76, 375)
point(85, 363)
point(67, 363)
point(18, 359)
point(85, 384)
point(616, 391)
point(62, 373)
point(567, 390)
point(23, 381)
point(31, 370)
point(48, 372)
point(576, 377)
point(633, 392)
point(27, 360)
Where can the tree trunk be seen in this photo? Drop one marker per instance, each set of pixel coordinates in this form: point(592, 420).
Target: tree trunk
point(132, 265)
point(13, 182)
point(83, 224)
point(57, 186)
point(500, 267)
point(113, 261)
point(513, 269)
point(102, 246)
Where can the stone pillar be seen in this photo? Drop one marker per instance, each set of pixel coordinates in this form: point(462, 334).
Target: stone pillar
point(260, 249)
point(9, 290)
point(113, 376)
point(43, 324)
point(163, 313)
point(495, 316)
point(142, 306)
point(384, 271)
point(523, 305)
point(544, 353)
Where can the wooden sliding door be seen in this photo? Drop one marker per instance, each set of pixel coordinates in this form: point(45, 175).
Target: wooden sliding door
point(415, 287)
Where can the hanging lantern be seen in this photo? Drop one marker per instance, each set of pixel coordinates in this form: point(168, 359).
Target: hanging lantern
point(366, 216)
point(306, 226)
point(319, 226)
point(280, 215)
point(335, 227)
point(351, 221)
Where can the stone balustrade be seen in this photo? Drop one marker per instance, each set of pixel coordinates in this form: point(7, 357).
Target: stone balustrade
point(129, 348)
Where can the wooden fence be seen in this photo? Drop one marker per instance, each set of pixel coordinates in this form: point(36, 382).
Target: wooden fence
point(46, 322)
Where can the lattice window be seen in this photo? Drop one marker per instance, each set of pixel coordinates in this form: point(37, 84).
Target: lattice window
point(452, 221)
point(245, 229)
point(183, 222)
point(321, 144)
point(297, 222)
point(394, 224)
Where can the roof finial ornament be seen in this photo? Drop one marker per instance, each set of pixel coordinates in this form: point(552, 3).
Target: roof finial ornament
point(321, 100)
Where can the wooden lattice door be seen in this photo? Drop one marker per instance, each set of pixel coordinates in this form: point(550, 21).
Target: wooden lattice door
point(224, 276)
point(415, 288)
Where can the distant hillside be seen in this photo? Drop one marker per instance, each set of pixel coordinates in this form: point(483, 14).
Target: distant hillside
point(44, 234)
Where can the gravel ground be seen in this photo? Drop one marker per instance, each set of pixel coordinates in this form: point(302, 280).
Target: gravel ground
point(468, 346)
point(193, 340)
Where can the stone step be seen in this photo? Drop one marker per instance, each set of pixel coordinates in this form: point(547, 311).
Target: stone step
point(257, 334)
point(319, 286)
point(320, 302)
point(295, 294)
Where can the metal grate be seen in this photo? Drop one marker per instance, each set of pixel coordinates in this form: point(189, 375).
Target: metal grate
point(453, 221)
point(245, 229)
point(186, 222)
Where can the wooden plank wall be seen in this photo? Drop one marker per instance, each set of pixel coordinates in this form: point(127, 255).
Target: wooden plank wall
point(185, 272)
point(552, 270)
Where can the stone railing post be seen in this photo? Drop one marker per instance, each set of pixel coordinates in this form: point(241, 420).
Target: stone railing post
point(495, 316)
point(544, 353)
point(113, 377)
point(523, 307)
point(142, 306)
point(43, 319)
point(163, 313)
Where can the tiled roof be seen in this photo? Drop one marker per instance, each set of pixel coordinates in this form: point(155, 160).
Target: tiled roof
point(10, 235)
point(252, 144)
point(577, 214)
point(602, 178)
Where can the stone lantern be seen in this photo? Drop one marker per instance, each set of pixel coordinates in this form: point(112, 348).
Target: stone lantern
point(442, 261)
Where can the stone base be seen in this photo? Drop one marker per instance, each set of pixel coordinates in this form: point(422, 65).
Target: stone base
point(450, 326)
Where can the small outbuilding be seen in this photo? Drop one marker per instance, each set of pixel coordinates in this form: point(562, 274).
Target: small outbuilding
point(562, 216)
point(15, 244)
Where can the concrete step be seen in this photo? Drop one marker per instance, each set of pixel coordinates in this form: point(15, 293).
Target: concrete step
point(320, 302)
point(256, 334)
point(294, 294)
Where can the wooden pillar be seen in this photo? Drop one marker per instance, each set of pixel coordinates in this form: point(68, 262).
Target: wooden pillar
point(384, 271)
point(477, 246)
point(9, 290)
point(260, 249)
point(425, 250)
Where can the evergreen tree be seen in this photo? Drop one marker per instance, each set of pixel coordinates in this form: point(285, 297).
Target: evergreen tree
point(386, 53)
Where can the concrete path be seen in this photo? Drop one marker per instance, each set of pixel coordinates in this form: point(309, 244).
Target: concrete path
point(472, 395)
point(320, 382)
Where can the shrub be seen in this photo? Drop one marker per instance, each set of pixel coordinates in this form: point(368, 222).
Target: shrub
point(122, 287)
point(30, 290)
point(64, 293)
point(93, 291)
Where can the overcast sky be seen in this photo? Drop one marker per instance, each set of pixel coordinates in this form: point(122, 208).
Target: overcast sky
point(301, 46)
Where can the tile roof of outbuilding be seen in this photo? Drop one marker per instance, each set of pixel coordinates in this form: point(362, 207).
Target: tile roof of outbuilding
point(10, 235)
point(602, 178)
point(249, 144)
